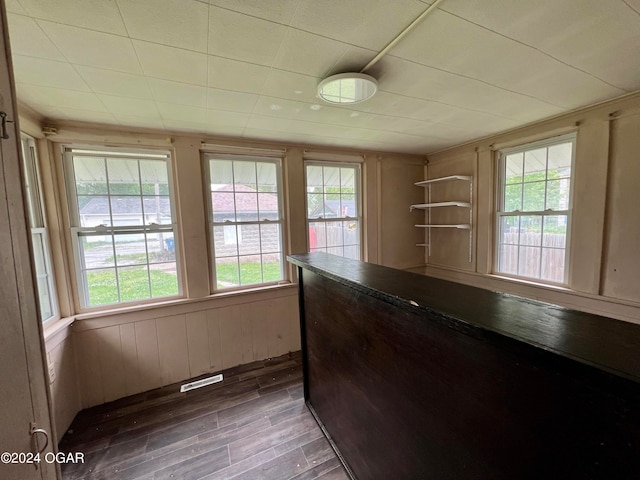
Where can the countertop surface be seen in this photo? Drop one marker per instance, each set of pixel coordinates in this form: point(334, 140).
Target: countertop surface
point(605, 343)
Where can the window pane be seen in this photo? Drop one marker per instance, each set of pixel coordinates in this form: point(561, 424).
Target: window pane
point(157, 210)
point(335, 234)
point(246, 206)
point(225, 242)
point(161, 247)
point(348, 180)
point(315, 205)
point(314, 179)
point(268, 206)
point(560, 160)
point(553, 264)
point(134, 283)
point(317, 235)
point(270, 238)
point(250, 244)
point(96, 251)
point(227, 273)
point(533, 197)
point(250, 270)
point(513, 198)
point(102, 287)
point(535, 164)
point(221, 175)
point(244, 175)
point(94, 210)
point(510, 230)
point(223, 206)
point(513, 168)
point(164, 279)
point(126, 211)
point(348, 206)
point(90, 175)
point(130, 249)
point(508, 255)
point(351, 233)
point(529, 262)
point(336, 251)
point(272, 268)
point(555, 231)
point(331, 177)
point(531, 230)
point(154, 177)
point(558, 194)
point(267, 177)
point(352, 251)
point(44, 298)
point(124, 178)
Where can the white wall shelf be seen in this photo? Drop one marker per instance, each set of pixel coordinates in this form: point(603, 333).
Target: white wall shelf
point(462, 226)
point(424, 206)
point(450, 203)
point(426, 183)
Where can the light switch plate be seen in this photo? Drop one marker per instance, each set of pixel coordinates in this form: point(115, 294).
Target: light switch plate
point(52, 373)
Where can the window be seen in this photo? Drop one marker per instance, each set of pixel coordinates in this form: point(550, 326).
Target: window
point(534, 210)
point(122, 225)
point(245, 220)
point(333, 208)
point(41, 250)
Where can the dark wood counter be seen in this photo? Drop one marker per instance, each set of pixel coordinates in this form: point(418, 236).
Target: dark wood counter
point(414, 377)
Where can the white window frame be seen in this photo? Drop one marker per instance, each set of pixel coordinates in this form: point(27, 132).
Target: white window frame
point(357, 167)
point(275, 160)
point(77, 232)
point(501, 213)
point(38, 227)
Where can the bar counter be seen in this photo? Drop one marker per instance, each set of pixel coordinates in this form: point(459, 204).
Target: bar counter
point(413, 377)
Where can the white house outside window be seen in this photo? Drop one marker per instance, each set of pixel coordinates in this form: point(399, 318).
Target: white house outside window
point(122, 225)
point(534, 210)
point(245, 216)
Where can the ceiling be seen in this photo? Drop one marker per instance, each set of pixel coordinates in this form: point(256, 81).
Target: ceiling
point(249, 68)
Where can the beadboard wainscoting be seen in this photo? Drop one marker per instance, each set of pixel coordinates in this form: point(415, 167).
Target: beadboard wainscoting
point(122, 355)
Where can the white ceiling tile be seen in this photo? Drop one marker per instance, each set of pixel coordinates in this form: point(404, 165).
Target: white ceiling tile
point(227, 100)
point(235, 75)
point(220, 118)
point(353, 60)
point(58, 97)
point(58, 74)
point(590, 34)
point(47, 111)
point(292, 86)
point(130, 106)
point(366, 23)
point(242, 37)
point(95, 49)
point(184, 126)
point(13, 6)
point(102, 15)
point(110, 82)
point(187, 113)
point(473, 51)
point(280, 13)
point(303, 52)
point(171, 63)
point(178, 23)
point(27, 38)
point(179, 93)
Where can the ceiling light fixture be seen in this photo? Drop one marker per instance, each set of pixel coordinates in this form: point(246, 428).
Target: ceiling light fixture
point(349, 88)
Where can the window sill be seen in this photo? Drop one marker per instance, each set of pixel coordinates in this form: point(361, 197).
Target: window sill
point(54, 327)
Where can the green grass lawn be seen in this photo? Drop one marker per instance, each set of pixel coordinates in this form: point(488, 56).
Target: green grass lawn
point(134, 283)
point(227, 274)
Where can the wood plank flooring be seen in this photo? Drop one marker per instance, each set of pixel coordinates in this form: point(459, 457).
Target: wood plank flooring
point(252, 426)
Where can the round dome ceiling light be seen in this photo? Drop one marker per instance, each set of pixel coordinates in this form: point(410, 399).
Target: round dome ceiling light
point(347, 88)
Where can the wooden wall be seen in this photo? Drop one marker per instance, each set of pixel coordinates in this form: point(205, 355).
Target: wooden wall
point(604, 266)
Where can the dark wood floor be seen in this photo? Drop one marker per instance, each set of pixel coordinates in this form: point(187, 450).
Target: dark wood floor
point(254, 425)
